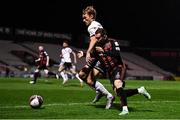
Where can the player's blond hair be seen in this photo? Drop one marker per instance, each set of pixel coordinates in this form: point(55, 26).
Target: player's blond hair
point(90, 10)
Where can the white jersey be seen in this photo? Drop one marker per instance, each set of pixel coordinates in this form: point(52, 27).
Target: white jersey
point(93, 27)
point(66, 55)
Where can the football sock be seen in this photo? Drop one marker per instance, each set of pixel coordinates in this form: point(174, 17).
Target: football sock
point(131, 92)
point(121, 93)
point(77, 76)
point(64, 76)
point(102, 89)
point(35, 76)
point(124, 108)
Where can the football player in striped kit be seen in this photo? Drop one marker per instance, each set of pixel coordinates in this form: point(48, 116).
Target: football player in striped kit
point(88, 73)
point(42, 64)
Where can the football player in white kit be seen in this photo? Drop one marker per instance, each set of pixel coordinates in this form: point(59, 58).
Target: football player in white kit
point(88, 73)
point(66, 63)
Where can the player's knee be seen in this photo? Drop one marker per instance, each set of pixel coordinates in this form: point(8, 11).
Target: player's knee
point(83, 73)
point(90, 82)
point(118, 83)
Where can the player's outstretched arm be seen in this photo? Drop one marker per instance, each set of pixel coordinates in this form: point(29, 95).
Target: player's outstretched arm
point(92, 43)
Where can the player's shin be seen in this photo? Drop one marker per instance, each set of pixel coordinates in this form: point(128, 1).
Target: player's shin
point(65, 77)
point(99, 87)
point(122, 94)
point(80, 80)
point(36, 74)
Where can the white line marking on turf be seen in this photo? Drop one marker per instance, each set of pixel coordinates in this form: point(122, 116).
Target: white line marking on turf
point(85, 103)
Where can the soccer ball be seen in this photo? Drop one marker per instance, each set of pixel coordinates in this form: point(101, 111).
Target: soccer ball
point(35, 101)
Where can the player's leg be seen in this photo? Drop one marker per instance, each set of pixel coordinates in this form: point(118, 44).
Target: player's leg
point(131, 92)
point(63, 74)
point(142, 90)
point(73, 71)
point(100, 89)
point(118, 85)
point(35, 76)
point(84, 72)
point(50, 73)
point(116, 77)
point(123, 94)
point(46, 71)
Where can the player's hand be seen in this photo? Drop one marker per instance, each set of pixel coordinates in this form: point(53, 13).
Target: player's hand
point(88, 56)
point(47, 64)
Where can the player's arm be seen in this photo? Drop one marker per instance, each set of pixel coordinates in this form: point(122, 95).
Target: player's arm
point(37, 60)
point(47, 62)
point(92, 43)
point(74, 55)
point(47, 57)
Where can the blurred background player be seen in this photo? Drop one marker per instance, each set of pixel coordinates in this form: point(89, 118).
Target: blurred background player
point(42, 64)
point(88, 73)
point(108, 53)
point(66, 63)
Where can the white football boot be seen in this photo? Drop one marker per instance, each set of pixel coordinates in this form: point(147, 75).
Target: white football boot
point(144, 92)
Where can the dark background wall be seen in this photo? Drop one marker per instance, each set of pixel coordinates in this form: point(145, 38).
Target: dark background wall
point(146, 24)
point(152, 23)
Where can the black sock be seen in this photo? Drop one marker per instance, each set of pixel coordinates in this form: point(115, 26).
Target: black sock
point(131, 92)
point(122, 94)
point(36, 74)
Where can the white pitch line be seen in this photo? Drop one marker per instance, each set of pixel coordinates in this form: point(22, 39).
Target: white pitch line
point(85, 103)
point(53, 104)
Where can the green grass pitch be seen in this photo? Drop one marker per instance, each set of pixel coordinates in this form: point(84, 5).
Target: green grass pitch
point(74, 102)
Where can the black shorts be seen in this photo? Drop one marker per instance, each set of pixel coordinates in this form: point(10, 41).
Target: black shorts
point(42, 67)
point(100, 68)
point(67, 65)
point(94, 63)
point(117, 73)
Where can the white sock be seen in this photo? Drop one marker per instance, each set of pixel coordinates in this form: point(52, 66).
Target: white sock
point(77, 76)
point(64, 76)
point(139, 90)
point(102, 89)
point(125, 108)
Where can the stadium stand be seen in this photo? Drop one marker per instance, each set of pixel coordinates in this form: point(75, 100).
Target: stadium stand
point(17, 55)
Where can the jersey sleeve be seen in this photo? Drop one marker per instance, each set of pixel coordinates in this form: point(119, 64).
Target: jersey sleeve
point(70, 50)
point(93, 27)
point(92, 31)
point(45, 53)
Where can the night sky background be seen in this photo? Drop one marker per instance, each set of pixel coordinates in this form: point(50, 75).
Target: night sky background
point(154, 23)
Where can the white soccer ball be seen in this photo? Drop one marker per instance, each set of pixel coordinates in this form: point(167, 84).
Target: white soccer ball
point(35, 101)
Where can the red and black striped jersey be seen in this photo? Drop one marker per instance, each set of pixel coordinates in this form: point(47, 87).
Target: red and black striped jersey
point(43, 57)
point(111, 56)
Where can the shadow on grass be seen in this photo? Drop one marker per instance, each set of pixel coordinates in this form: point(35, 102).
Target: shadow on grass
point(117, 106)
point(132, 109)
